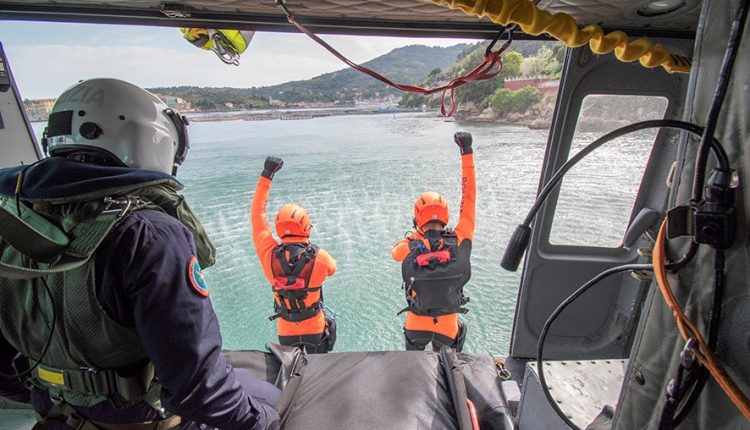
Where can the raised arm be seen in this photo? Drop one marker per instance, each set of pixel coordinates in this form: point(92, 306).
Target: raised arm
point(467, 214)
point(262, 233)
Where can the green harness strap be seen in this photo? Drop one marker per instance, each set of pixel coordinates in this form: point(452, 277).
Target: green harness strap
point(88, 236)
point(100, 384)
point(43, 238)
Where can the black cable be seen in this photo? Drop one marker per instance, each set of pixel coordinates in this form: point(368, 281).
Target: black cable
point(520, 238)
point(700, 374)
point(735, 37)
point(46, 346)
point(543, 335)
point(691, 128)
point(685, 259)
point(700, 380)
point(712, 116)
point(715, 317)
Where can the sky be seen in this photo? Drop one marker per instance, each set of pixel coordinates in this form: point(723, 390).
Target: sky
point(46, 58)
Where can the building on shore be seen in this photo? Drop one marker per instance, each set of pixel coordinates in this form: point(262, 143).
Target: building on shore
point(175, 102)
point(39, 109)
point(544, 84)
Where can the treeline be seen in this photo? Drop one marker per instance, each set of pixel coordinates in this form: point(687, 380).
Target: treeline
point(407, 64)
point(343, 87)
point(524, 59)
point(209, 99)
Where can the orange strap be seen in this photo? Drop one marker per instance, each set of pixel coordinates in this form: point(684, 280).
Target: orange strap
point(688, 330)
point(473, 415)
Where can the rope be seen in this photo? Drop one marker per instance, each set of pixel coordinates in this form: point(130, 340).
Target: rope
point(488, 69)
point(689, 331)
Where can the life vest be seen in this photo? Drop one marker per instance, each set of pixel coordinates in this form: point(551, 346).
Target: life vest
point(91, 358)
point(292, 265)
point(434, 278)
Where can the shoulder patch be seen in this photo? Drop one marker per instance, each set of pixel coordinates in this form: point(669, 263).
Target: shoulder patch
point(195, 277)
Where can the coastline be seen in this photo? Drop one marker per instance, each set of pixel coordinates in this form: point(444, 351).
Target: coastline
point(288, 114)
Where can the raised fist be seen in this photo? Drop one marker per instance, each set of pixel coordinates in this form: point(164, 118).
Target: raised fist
point(463, 140)
point(271, 166)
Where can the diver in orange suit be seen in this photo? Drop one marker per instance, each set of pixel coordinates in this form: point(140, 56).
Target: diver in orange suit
point(435, 263)
point(295, 268)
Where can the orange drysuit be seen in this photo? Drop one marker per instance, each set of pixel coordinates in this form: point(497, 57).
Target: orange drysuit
point(446, 325)
point(324, 265)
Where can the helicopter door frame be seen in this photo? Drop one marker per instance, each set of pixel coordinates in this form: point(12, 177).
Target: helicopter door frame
point(603, 321)
point(18, 143)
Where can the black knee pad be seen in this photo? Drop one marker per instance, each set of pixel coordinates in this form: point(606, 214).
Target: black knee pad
point(330, 334)
point(461, 337)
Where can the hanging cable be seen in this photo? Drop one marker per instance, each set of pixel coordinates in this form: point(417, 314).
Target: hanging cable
point(488, 69)
point(545, 329)
point(712, 117)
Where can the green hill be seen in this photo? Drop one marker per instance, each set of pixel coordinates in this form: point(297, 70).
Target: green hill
point(410, 64)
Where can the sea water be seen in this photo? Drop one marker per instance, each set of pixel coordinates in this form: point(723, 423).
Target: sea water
point(358, 177)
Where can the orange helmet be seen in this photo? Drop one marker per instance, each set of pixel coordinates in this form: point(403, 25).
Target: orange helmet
point(293, 220)
point(430, 206)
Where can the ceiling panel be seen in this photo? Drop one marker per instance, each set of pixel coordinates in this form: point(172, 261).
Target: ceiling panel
point(343, 16)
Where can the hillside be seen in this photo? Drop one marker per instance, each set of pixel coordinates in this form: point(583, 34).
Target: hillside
point(409, 64)
point(404, 65)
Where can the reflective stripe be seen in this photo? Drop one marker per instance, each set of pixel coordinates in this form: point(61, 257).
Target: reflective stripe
point(51, 376)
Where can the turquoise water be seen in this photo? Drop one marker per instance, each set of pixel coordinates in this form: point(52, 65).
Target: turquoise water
point(359, 176)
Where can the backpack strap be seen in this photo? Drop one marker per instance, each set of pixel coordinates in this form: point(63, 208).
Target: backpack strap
point(450, 240)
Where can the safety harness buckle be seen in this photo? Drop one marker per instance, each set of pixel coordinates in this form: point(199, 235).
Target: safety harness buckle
point(121, 205)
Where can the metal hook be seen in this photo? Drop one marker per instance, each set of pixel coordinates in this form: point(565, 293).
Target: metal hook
point(509, 29)
point(224, 52)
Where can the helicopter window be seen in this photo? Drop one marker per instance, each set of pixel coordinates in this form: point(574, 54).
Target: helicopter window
point(597, 196)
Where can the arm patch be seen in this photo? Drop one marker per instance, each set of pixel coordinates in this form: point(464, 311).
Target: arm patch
point(195, 277)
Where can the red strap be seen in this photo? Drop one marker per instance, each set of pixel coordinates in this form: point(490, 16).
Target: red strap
point(482, 72)
point(440, 257)
point(281, 283)
point(473, 415)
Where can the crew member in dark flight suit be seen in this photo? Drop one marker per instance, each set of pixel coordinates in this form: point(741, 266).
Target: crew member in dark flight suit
point(295, 268)
point(128, 339)
point(436, 263)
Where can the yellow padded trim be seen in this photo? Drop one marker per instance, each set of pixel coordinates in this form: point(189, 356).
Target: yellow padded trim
point(562, 27)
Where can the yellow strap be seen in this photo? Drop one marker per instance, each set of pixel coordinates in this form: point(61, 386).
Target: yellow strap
point(562, 27)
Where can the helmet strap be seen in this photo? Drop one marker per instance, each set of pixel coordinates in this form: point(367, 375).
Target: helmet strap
point(180, 123)
point(94, 156)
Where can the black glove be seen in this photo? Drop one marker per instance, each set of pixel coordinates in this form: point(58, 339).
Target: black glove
point(463, 140)
point(272, 165)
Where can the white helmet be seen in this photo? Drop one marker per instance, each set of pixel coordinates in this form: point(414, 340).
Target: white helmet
point(122, 119)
